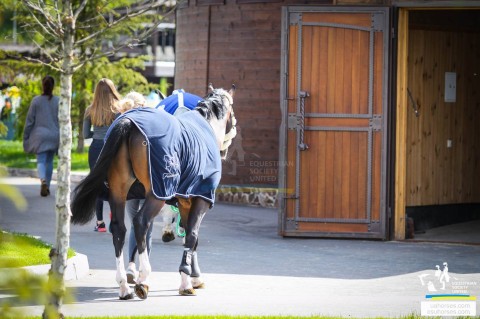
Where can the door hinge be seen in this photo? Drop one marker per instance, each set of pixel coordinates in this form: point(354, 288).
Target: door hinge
point(292, 121)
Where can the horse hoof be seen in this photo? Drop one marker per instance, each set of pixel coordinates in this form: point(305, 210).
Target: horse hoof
point(131, 279)
point(168, 237)
point(199, 286)
point(187, 292)
point(127, 297)
point(141, 291)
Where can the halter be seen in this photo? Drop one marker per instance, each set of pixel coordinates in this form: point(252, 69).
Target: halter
point(229, 136)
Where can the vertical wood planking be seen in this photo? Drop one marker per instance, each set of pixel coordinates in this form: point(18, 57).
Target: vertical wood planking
point(323, 70)
point(362, 175)
point(437, 174)
point(346, 165)
point(446, 132)
point(415, 84)
point(401, 125)
point(291, 135)
point(364, 50)
point(331, 58)
point(313, 178)
point(337, 174)
point(378, 71)
point(339, 67)
point(356, 72)
point(376, 169)
point(322, 174)
point(354, 191)
point(428, 151)
point(334, 170)
point(330, 173)
point(347, 76)
point(316, 72)
point(307, 56)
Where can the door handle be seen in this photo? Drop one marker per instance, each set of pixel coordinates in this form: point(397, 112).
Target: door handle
point(301, 120)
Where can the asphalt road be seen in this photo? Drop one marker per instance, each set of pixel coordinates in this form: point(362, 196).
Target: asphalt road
point(251, 270)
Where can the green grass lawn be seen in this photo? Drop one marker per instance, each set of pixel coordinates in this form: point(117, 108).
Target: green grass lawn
point(242, 317)
point(19, 250)
point(12, 155)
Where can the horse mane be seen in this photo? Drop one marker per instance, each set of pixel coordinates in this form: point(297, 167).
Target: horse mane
point(212, 105)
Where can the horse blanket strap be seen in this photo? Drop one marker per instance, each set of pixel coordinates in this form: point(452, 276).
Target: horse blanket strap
point(179, 99)
point(183, 157)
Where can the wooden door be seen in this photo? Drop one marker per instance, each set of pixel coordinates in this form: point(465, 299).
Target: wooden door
point(333, 136)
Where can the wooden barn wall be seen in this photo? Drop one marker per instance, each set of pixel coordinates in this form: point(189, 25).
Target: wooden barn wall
point(437, 174)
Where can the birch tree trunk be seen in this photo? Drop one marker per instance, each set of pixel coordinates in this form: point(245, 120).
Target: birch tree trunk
point(55, 23)
point(58, 254)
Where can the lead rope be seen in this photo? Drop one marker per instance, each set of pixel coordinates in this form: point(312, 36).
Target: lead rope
point(177, 224)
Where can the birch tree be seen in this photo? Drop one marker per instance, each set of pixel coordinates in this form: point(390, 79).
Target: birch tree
point(69, 34)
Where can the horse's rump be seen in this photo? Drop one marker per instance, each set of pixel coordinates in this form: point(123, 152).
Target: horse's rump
point(93, 185)
point(183, 158)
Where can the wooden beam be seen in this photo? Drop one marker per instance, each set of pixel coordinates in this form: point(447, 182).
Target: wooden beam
point(401, 126)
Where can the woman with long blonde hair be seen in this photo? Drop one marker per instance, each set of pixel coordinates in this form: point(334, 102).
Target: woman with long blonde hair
point(99, 115)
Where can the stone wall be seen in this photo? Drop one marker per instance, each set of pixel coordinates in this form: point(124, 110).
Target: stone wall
point(263, 197)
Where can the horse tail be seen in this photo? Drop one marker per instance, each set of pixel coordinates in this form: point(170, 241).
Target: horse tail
point(87, 192)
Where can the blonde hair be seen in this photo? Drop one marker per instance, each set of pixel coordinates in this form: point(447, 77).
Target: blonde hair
point(131, 101)
point(105, 103)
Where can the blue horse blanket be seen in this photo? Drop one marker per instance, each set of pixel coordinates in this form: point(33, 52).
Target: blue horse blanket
point(179, 98)
point(183, 157)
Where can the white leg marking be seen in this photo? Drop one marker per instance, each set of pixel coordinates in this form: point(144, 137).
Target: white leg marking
point(197, 282)
point(132, 272)
point(167, 215)
point(121, 278)
point(144, 269)
point(186, 282)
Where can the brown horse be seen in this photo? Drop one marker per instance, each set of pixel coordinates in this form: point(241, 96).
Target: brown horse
point(153, 155)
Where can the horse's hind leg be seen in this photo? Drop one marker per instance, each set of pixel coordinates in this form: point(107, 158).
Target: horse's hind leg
point(141, 224)
point(189, 268)
point(120, 179)
point(144, 218)
point(197, 281)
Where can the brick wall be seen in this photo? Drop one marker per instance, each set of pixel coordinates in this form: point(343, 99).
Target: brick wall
point(190, 53)
point(242, 43)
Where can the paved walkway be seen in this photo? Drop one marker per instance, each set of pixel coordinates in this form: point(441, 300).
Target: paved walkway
point(250, 270)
